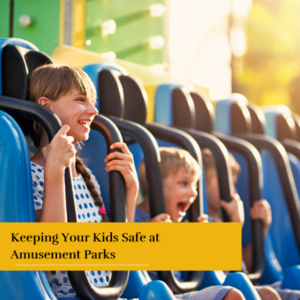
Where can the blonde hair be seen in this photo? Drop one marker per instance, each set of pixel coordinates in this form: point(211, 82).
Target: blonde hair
point(53, 81)
point(210, 164)
point(172, 160)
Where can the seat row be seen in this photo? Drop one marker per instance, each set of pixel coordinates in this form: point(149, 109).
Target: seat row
point(184, 119)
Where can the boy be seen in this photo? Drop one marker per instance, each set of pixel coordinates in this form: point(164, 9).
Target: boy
point(260, 211)
point(180, 174)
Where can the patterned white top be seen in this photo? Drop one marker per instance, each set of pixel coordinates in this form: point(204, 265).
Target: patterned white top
point(87, 211)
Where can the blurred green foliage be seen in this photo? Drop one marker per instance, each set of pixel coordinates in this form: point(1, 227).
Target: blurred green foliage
point(269, 73)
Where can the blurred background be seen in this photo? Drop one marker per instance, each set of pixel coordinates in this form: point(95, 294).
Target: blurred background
point(245, 46)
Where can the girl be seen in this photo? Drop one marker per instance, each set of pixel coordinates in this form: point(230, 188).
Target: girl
point(71, 95)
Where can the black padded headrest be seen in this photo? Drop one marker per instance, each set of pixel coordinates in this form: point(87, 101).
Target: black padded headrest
point(14, 72)
point(36, 59)
point(286, 127)
point(258, 121)
point(184, 114)
point(205, 115)
point(111, 96)
point(17, 64)
point(296, 119)
point(135, 100)
point(240, 118)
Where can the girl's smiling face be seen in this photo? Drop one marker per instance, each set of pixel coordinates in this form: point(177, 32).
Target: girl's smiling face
point(76, 110)
point(180, 191)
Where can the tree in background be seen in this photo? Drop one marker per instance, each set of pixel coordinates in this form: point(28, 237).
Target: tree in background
point(269, 73)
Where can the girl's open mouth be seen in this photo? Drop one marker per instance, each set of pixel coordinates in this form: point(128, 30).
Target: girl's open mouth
point(85, 123)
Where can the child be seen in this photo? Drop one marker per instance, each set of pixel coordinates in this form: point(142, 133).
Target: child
point(260, 211)
point(71, 95)
point(180, 174)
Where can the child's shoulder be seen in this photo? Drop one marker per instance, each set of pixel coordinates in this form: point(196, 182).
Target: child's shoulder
point(37, 171)
point(36, 166)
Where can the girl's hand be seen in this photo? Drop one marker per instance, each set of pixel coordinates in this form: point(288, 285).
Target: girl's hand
point(161, 218)
point(234, 209)
point(60, 152)
point(123, 162)
point(261, 210)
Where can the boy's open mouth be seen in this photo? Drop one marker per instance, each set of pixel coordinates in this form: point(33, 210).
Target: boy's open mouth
point(182, 208)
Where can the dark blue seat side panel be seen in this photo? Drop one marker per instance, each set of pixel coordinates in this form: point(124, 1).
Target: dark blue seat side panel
point(16, 205)
point(242, 187)
point(156, 290)
point(295, 166)
point(135, 285)
point(281, 230)
point(273, 271)
point(138, 155)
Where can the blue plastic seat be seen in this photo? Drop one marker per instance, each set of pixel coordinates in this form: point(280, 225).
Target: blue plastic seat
point(234, 116)
point(167, 112)
point(16, 205)
point(174, 105)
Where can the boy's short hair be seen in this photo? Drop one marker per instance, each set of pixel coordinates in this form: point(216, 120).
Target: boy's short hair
point(210, 164)
point(172, 160)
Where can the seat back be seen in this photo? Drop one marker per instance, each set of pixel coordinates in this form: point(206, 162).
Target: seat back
point(107, 79)
point(16, 205)
point(296, 119)
point(225, 110)
point(273, 190)
point(95, 147)
point(246, 153)
point(17, 63)
point(135, 96)
point(281, 125)
point(16, 183)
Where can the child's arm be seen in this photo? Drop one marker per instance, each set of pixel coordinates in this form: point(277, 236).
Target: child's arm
point(123, 162)
point(261, 210)
point(234, 209)
point(58, 156)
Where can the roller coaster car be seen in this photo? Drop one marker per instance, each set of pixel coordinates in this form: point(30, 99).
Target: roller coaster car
point(237, 117)
point(17, 59)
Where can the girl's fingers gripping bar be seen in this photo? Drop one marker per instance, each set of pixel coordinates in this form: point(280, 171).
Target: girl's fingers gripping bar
point(121, 146)
point(70, 139)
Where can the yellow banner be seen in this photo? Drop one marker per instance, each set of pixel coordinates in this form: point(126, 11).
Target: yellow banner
point(120, 246)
